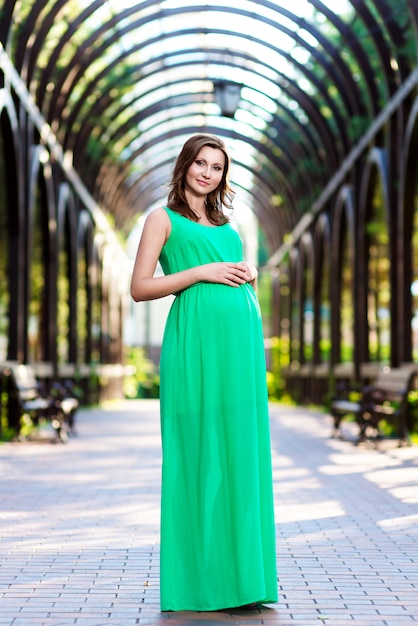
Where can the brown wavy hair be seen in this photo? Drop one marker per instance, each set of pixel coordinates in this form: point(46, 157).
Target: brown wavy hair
point(220, 197)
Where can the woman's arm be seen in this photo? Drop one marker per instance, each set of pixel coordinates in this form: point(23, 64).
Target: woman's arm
point(144, 286)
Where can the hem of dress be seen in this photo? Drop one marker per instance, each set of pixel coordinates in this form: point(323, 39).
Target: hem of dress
point(218, 608)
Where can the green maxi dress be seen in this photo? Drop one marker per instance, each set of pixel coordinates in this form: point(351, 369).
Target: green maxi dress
point(217, 518)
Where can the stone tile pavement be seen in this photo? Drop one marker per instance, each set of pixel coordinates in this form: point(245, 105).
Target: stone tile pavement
point(79, 527)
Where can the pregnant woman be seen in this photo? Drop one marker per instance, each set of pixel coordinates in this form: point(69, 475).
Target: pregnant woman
point(217, 519)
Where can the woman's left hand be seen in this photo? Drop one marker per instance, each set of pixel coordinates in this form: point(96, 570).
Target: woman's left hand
point(250, 272)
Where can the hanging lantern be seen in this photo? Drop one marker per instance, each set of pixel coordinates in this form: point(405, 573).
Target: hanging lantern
point(227, 96)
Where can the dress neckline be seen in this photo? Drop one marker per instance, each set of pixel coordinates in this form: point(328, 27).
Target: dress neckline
point(197, 222)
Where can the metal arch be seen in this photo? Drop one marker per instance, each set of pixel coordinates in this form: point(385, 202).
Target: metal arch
point(413, 7)
point(320, 121)
point(25, 33)
point(352, 88)
point(265, 149)
point(9, 128)
point(322, 237)
point(349, 90)
point(375, 169)
point(377, 160)
point(164, 166)
point(343, 211)
point(273, 7)
point(347, 76)
point(53, 59)
point(97, 78)
point(268, 140)
point(295, 284)
point(322, 260)
point(66, 235)
point(375, 32)
point(114, 63)
point(322, 89)
point(180, 99)
point(411, 137)
point(396, 34)
point(6, 17)
point(404, 265)
point(40, 176)
point(313, 108)
point(85, 230)
point(91, 165)
point(192, 130)
point(63, 200)
point(99, 106)
point(24, 54)
point(306, 261)
point(131, 121)
point(357, 50)
point(290, 33)
point(7, 105)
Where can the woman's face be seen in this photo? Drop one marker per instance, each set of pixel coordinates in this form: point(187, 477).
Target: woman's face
point(206, 171)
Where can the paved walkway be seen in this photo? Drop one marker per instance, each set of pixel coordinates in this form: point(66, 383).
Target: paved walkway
point(79, 527)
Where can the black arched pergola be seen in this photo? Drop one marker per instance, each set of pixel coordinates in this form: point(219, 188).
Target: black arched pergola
point(95, 102)
point(84, 82)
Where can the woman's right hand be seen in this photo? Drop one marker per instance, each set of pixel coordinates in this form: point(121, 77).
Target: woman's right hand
point(232, 274)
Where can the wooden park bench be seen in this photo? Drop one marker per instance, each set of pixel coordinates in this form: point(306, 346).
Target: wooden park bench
point(26, 397)
point(386, 398)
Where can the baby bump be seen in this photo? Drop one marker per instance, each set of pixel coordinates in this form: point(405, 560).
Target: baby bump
point(211, 330)
point(210, 312)
point(207, 302)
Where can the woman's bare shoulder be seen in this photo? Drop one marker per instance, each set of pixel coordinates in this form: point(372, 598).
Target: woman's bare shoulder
point(158, 216)
point(158, 222)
